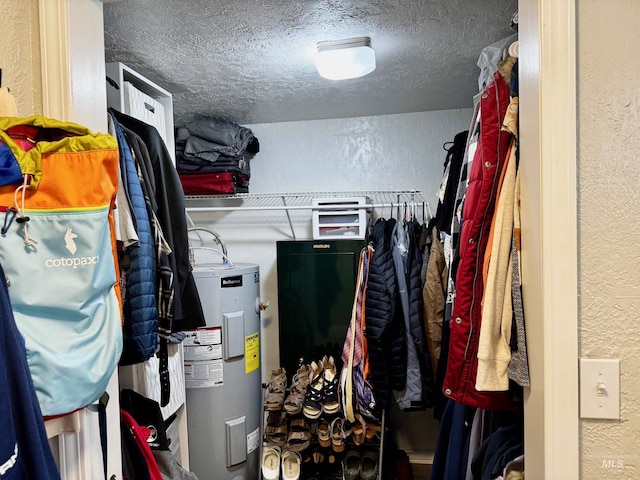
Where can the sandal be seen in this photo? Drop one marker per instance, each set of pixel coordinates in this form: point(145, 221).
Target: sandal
point(299, 383)
point(373, 432)
point(318, 456)
point(276, 429)
point(358, 430)
point(330, 402)
point(274, 398)
point(312, 407)
point(299, 436)
point(337, 435)
point(323, 434)
point(270, 463)
point(291, 465)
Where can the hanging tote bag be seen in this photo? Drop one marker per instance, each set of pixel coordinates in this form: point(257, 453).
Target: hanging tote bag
point(57, 248)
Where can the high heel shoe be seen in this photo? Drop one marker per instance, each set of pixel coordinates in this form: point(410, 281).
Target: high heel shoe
point(274, 397)
point(330, 402)
point(358, 430)
point(299, 384)
point(338, 434)
point(373, 432)
point(323, 433)
point(312, 407)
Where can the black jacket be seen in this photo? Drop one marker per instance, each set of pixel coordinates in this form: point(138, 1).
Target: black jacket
point(383, 316)
point(416, 312)
point(455, 157)
point(187, 314)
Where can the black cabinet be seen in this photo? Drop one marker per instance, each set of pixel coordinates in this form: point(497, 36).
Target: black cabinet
point(316, 287)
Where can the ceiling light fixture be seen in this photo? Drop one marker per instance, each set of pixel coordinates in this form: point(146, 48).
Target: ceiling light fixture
point(344, 59)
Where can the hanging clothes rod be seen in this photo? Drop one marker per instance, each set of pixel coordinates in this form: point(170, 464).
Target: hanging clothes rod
point(310, 207)
point(304, 201)
point(410, 201)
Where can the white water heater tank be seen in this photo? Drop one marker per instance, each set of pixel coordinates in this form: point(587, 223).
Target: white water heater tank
point(222, 374)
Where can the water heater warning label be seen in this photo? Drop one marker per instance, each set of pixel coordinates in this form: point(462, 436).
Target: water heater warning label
point(203, 374)
point(252, 352)
point(203, 336)
point(253, 440)
point(202, 352)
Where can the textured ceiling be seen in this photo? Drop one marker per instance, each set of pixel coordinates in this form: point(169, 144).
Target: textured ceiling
point(251, 61)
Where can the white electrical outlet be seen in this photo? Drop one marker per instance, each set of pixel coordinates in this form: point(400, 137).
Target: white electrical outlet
point(600, 388)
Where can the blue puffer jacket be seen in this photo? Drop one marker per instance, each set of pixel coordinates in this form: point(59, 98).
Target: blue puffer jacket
point(140, 306)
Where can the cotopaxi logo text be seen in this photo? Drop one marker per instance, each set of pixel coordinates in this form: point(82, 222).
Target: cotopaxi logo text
point(71, 262)
point(63, 262)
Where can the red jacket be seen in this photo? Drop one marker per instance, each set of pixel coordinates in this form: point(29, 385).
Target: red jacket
point(490, 155)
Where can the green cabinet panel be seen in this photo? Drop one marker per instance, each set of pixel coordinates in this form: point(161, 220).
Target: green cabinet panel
point(316, 287)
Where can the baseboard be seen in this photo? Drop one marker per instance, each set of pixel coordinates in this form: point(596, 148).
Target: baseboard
point(421, 462)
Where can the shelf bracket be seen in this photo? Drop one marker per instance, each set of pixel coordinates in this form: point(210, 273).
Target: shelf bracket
point(284, 203)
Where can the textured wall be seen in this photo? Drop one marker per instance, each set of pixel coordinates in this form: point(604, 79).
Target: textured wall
point(20, 54)
point(385, 152)
point(609, 238)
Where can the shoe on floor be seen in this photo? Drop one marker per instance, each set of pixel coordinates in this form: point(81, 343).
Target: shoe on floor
point(369, 465)
point(271, 463)
point(351, 465)
point(291, 465)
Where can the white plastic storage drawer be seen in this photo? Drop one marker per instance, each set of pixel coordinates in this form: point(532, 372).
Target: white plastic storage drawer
point(336, 218)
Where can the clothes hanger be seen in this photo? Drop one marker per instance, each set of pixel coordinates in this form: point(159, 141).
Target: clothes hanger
point(444, 146)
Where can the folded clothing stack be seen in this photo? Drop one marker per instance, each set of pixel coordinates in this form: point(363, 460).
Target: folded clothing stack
point(213, 156)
